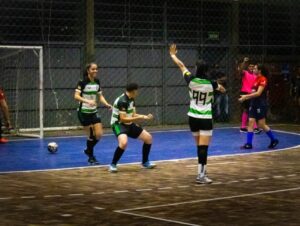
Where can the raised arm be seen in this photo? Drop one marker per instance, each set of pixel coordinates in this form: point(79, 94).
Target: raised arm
point(179, 63)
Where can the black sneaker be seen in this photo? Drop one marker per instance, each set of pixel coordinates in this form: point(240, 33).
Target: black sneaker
point(273, 143)
point(257, 131)
point(243, 130)
point(93, 161)
point(91, 158)
point(247, 146)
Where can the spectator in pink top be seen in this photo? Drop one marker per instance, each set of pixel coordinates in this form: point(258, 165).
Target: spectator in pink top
point(248, 79)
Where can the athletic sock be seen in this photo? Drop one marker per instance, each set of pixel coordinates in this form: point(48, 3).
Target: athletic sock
point(249, 137)
point(244, 120)
point(90, 146)
point(201, 170)
point(202, 159)
point(146, 151)
point(118, 154)
point(270, 135)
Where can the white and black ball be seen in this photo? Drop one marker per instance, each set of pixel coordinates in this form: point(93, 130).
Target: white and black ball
point(52, 147)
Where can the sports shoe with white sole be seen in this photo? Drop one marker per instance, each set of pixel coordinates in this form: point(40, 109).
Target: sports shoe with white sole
point(113, 168)
point(203, 180)
point(148, 165)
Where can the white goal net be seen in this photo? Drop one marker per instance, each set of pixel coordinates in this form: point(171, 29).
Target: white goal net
point(21, 78)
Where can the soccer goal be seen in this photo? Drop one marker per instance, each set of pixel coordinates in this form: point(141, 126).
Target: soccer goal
point(21, 78)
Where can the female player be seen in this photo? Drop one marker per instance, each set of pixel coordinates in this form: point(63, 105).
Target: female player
point(200, 112)
point(248, 79)
point(123, 120)
point(86, 93)
point(258, 107)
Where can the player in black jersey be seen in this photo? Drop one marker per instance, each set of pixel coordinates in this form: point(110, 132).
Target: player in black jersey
point(123, 124)
point(87, 92)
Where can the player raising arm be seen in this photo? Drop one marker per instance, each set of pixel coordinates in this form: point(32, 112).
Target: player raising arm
point(123, 122)
point(86, 93)
point(200, 111)
point(258, 107)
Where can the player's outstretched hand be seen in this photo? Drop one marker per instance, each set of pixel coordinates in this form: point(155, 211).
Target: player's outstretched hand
point(173, 50)
point(149, 117)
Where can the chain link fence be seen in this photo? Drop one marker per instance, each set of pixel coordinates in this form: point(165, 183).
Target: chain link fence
point(131, 39)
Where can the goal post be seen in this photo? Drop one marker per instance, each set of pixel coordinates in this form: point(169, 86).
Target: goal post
point(22, 79)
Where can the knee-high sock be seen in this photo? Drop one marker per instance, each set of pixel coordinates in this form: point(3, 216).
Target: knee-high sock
point(202, 159)
point(91, 142)
point(146, 151)
point(118, 154)
point(249, 137)
point(270, 135)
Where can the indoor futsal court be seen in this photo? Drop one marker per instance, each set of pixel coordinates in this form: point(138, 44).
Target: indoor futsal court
point(257, 187)
point(149, 112)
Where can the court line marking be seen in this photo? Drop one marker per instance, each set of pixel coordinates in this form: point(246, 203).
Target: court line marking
point(98, 208)
point(155, 189)
point(127, 211)
point(158, 161)
point(211, 199)
point(158, 218)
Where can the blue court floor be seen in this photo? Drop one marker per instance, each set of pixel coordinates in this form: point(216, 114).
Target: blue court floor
point(32, 154)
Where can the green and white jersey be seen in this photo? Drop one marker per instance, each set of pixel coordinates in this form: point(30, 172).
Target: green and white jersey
point(201, 93)
point(123, 104)
point(88, 90)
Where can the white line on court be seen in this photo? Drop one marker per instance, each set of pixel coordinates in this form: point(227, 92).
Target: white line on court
point(145, 189)
point(263, 178)
point(5, 198)
point(52, 196)
point(124, 191)
point(212, 199)
point(165, 188)
point(28, 197)
point(78, 194)
point(169, 160)
point(128, 211)
point(98, 208)
point(98, 193)
point(157, 218)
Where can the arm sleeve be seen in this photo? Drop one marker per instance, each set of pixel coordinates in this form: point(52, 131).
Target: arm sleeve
point(187, 76)
point(122, 106)
point(79, 86)
point(263, 82)
point(99, 89)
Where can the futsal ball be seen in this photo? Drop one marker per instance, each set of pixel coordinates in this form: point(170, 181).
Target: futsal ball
point(52, 147)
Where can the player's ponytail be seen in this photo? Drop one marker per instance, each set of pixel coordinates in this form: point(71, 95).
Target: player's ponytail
point(201, 69)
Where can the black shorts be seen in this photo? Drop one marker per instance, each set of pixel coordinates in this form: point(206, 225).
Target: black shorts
point(87, 119)
point(132, 130)
point(258, 112)
point(198, 125)
point(246, 103)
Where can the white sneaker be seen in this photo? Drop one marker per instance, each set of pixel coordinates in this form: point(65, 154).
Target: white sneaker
point(203, 180)
point(113, 168)
point(148, 165)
